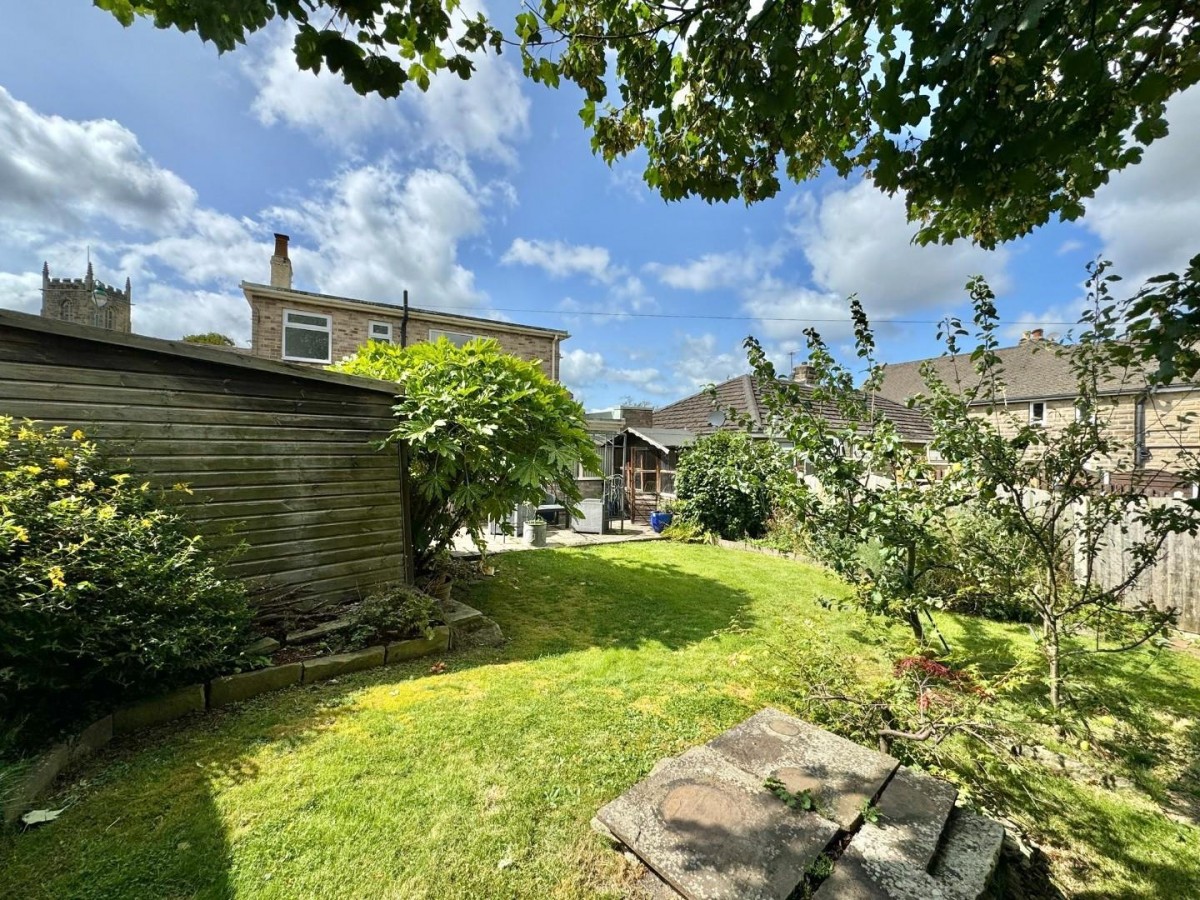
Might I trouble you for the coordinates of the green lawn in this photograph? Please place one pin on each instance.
(481, 782)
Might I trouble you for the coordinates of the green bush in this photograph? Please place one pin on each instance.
(729, 483)
(106, 594)
(394, 614)
(485, 432)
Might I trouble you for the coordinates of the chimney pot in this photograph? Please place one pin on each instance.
(281, 245)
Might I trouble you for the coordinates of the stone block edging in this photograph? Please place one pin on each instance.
(219, 692)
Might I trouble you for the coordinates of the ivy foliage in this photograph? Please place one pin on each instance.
(991, 117)
(106, 594)
(729, 483)
(484, 431)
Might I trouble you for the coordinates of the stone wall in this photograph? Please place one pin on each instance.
(1168, 440)
(351, 330)
(86, 301)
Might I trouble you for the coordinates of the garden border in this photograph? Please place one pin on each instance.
(197, 698)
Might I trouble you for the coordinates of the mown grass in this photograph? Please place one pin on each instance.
(481, 782)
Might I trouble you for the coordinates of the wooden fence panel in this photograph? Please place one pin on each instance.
(1174, 581)
(277, 456)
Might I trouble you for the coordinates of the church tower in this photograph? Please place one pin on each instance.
(86, 301)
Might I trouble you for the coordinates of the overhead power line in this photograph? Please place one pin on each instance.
(644, 315)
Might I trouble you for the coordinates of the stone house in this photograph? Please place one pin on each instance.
(318, 329)
(1151, 423)
(86, 301)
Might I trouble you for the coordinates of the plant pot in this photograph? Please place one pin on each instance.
(441, 591)
(660, 520)
(535, 534)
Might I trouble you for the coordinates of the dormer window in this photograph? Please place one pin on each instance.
(1037, 414)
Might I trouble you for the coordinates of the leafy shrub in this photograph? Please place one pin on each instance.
(485, 431)
(393, 614)
(106, 594)
(999, 568)
(684, 530)
(729, 483)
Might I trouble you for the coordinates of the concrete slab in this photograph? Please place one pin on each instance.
(877, 864)
(711, 831)
(437, 642)
(913, 811)
(458, 615)
(841, 775)
(162, 709)
(235, 688)
(93, 738)
(969, 855)
(341, 663)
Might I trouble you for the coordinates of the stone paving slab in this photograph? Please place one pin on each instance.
(913, 812)
(877, 866)
(841, 775)
(711, 831)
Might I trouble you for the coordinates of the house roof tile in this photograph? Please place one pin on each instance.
(745, 395)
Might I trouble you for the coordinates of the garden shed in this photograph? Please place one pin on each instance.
(648, 457)
(280, 458)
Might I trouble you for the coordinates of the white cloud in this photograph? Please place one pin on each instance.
(369, 231)
(719, 270)
(322, 103)
(784, 310)
(22, 292)
(163, 310)
(859, 241)
(588, 368)
(1146, 215)
(482, 116)
(701, 361)
(62, 173)
(378, 231)
(559, 259)
(1050, 320)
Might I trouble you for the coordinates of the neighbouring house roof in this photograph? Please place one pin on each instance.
(665, 439)
(291, 295)
(1033, 370)
(745, 395)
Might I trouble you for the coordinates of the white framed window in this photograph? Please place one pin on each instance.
(1037, 414)
(380, 331)
(307, 337)
(457, 338)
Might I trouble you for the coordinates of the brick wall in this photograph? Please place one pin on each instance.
(350, 330)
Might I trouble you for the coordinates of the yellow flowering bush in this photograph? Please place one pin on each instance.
(106, 593)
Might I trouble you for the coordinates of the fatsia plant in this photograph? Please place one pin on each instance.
(484, 431)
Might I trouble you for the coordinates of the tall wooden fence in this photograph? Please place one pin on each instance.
(275, 455)
(1174, 581)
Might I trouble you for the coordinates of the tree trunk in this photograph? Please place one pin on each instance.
(1053, 660)
(910, 577)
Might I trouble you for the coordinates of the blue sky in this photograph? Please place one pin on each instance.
(175, 166)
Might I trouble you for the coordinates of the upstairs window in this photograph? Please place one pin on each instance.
(1037, 414)
(307, 337)
(457, 338)
(380, 331)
